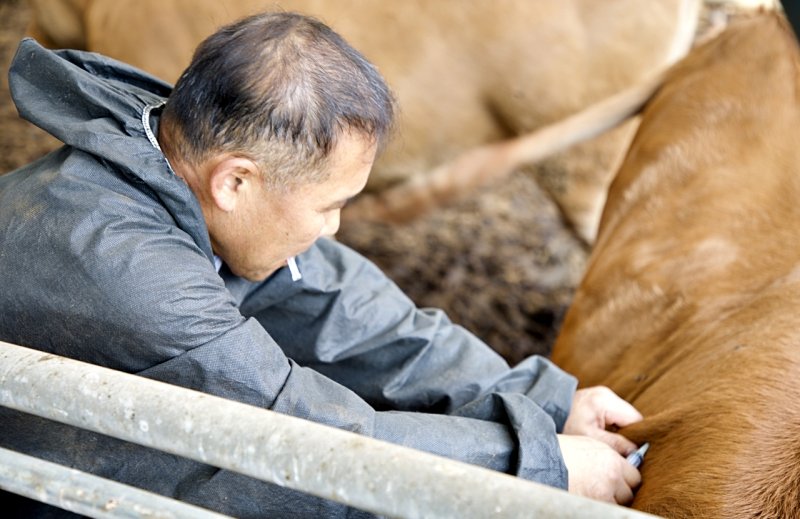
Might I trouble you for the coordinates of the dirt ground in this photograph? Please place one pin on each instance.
(20, 142)
(503, 264)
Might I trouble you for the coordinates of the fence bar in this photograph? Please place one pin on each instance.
(87, 494)
(330, 463)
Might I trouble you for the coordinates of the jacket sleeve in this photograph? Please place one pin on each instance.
(346, 320)
(112, 282)
(157, 308)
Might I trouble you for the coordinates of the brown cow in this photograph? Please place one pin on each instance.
(690, 305)
(464, 74)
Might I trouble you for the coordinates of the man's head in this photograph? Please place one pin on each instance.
(274, 111)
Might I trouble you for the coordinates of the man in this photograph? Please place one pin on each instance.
(185, 242)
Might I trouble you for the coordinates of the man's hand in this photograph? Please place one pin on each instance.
(593, 455)
(596, 408)
(597, 471)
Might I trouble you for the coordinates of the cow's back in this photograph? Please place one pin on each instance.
(689, 307)
(464, 75)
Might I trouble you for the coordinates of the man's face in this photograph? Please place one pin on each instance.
(271, 226)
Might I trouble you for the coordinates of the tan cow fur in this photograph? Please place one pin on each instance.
(59, 23)
(465, 73)
(690, 304)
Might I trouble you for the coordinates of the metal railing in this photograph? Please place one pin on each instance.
(355, 470)
(87, 494)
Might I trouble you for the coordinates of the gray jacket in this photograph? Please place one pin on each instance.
(105, 258)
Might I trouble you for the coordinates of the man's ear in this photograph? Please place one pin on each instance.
(230, 179)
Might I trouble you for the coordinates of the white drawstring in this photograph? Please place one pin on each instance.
(296, 275)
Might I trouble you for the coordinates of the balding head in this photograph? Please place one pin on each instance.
(280, 89)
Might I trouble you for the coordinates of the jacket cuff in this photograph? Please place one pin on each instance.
(526, 446)
(538, 453)
(553, 389)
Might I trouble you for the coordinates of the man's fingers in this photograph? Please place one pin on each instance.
(621, 413)
(616, 441)
(632, 477)
(623, 494)
(596, 471)
(599, 407)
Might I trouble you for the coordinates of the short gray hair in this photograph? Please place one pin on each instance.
(280, 89)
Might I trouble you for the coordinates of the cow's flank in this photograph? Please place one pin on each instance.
(690, 306)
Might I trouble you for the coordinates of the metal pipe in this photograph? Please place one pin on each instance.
(330, 463)
(87, 494)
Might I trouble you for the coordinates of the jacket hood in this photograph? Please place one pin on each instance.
(99, 105)
(84, 99)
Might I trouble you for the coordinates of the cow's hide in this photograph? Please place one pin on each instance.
(690, 305)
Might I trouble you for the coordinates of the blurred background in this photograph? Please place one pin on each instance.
(503, 260)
